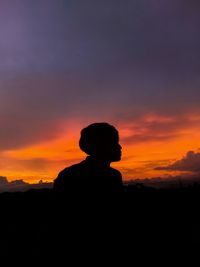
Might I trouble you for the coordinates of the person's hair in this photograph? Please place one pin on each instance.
(95, 134)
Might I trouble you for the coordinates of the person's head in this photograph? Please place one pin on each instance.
(101, 140)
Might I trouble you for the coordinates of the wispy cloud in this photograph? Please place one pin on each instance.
(152, 127)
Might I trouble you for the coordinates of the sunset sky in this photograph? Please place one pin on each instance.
(132, 63)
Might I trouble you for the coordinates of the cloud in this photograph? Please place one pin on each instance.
(3, 181)
(191, 163)
(154, 127)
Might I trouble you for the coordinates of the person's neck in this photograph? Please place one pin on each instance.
(102, 163)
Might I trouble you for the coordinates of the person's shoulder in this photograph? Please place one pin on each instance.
(67, 175)
(116, 177)
(73, 169)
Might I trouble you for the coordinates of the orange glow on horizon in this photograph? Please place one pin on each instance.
(139, 157)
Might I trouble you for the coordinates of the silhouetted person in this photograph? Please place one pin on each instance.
(100, 141)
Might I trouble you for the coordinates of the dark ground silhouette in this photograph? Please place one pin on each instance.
(141, 220)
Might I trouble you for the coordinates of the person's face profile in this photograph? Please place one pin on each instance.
(114, 150)
(109, 148)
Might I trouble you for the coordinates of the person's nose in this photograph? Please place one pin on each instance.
(120, 147)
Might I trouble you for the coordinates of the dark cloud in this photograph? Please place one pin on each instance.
(145, 168)
(151, 164)
(191, 163)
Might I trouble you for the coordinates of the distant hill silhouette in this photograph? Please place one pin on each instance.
(159, 182)
(169, 182)
(20, 185)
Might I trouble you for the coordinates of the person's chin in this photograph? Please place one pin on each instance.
(118, 158)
